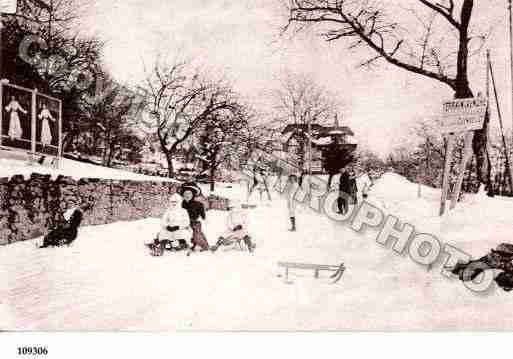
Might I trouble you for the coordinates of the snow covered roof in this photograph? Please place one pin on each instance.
(323, 141)
(351, 140)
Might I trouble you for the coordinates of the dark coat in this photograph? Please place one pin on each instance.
(344, 184)
(496, 259)
(195, 209)
(66, 233)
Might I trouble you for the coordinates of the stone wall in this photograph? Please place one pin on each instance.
(29, 208)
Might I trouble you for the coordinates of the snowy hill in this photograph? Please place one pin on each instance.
(107, 280)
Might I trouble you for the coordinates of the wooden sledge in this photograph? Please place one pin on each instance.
(337, 269)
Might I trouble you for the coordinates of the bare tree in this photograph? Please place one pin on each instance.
(435, 42)
(220, 138)
(179, 101)
(300, 101)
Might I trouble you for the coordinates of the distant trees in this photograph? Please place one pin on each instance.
(427, 38)
(219, 139)
(335, 158)
(109, 122)
(41, 49)
(180, 102)
(300, 101)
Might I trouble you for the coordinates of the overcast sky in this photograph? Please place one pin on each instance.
(241, 39)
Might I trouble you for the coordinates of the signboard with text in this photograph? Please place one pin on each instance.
(8, 6)
(463, 115)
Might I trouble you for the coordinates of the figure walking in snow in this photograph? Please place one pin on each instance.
(46, 133)
(175, 226)
(196, 212)
(236, 228)
(259, 183)
(15, 131)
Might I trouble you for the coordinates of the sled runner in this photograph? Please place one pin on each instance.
(158, 247)
(337, 269)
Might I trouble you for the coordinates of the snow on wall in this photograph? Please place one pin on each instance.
(74, 169)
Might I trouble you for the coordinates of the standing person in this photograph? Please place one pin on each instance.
(290, 191)
(196, 212)
(344, 190)
(353, 188)
(175, 226)
(255, 182)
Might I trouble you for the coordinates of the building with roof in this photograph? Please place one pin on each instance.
(295, 141)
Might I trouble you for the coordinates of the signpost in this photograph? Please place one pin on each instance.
(8, 6)
(464, 115)
(460, 116)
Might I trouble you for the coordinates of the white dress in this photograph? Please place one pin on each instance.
(15, 130)
(176, 216)
(237, 216)
(46, 134)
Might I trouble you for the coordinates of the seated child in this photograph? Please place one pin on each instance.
(66, 233)
(236, 228)
(174, 226)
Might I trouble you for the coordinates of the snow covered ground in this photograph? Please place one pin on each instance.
(74, 169)
(108, 281)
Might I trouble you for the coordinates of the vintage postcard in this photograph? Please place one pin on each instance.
(255, 166)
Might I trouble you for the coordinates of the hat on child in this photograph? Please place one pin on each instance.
(190, 186)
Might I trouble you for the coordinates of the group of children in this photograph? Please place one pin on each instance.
(184, 219)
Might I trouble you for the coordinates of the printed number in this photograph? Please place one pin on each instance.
(32, 351)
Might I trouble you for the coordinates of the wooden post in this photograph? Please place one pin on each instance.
(447, 168)
(467, 153)
(34, 127)
(1, 97)
(59, 150)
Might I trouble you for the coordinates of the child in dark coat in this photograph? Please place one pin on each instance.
(196, 212)
(66, 233)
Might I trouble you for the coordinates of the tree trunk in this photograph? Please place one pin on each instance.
(212, 180)
(170, 168)
(480, 148)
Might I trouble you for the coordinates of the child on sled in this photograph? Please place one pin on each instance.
(66, 233)
(236, 229)
(175, 227)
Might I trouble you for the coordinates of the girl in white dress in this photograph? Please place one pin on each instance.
(46, 134)
(13, 107)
